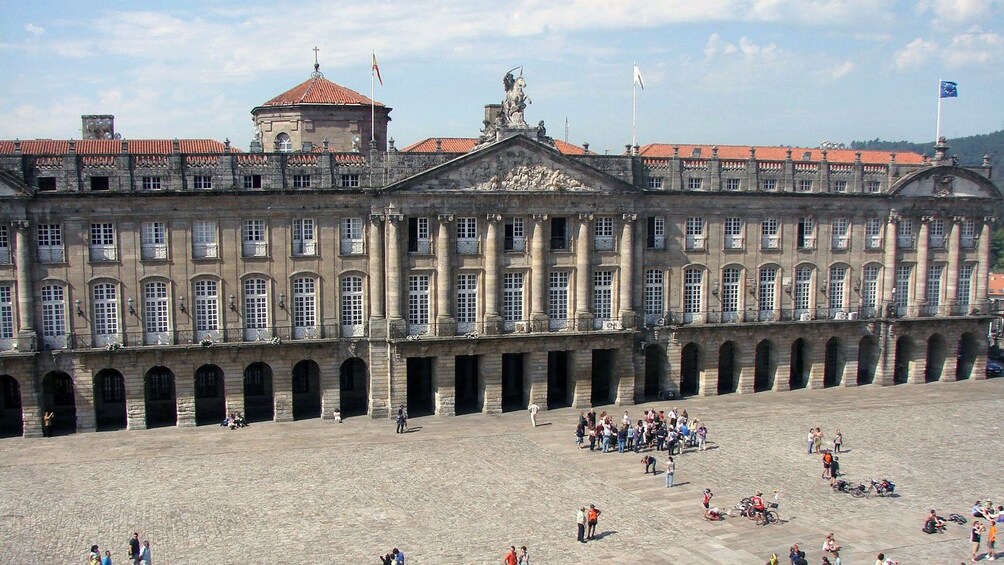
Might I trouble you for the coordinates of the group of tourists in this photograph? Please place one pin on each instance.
(513, 558)
(994, 517)
(234, 420)
(672, 431)
(139, 554)
(395, 557)
(586, 521)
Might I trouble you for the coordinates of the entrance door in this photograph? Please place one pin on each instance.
(557, 379)
(765, 366)
(352, 382)
(512, 382)
(690, 370)
(602, 391)
(109, 400)
(833, 371)
(655, 368)
(468, 391)
(161, 401)
(11, 416)
(799, 376)
(904, 356)
(57, 390)
(420, 398)
(968, 350)
(306, 390)
(728, 379)
(868, 356)
(259, 403)
(210, 400)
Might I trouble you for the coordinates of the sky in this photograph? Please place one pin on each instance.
(744, 72)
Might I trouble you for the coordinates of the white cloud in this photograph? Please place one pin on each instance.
(958, 11)
(916, 53)
(974, 47)
(841, 70)
(34, 29)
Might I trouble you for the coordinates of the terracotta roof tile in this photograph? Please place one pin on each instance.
(769, 153)
(996, 285)
(319, 90)
(465, 144)
(113, 146)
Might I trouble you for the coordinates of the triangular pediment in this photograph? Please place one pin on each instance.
(516, 164)
(945, 181)
(12, 187)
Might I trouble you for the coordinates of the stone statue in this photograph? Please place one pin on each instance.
(515, 100)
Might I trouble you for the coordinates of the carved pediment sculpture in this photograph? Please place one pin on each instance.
(944, 185)
(531, 178)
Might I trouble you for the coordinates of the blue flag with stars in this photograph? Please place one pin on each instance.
(949, 89)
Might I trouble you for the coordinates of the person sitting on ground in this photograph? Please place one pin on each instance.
(978, 510)
(232, 422)
(225, 422)
(338, 416)
(830, 544)
(933, 523)
(241, 420)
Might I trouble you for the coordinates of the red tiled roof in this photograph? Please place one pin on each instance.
(113, 146)
(996, 288)
(319, 90)
(465, 144)
(742, 152)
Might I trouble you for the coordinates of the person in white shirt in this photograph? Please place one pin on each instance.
(533, 408)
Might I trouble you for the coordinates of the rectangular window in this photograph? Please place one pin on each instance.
(770, 234)
(100, 184)
(50, 243)
(154, 241)
(934, 287)
(467, 302)
(654, 182)
(419, 236)
(936, 233)
(840, 186)
(838, 276)
(902, 290)
(6, 311)
(656, 233)
(694, 183)
(207, 310)
(805, 185)
(467, 236)
(840, 234)
(515, 236)
(655, 296)
(252, 181)
(54, 316)
(350, 180)
(559, 234)
(766, 293)
(869, 290)
(603, 234)
(418, 304)
(151, 183)
(603, 288)
(106, 313)
(112, 390)
(965, 288)
(512, 297)
(352, 242)
(46, 184)
(733, 233)
(730, 295)
(803, 295)
(254, 239)
(204, 242)
(873, 186)
(733, 184)
(304, 237)
(5, 255)
(155, 310)
(103, 242)
(557, 306)
(304, 307)
(968, 240)
(904, 233)
(301, 181)
(770, 185)
(352, 306)
(256, 309)
(806, 233)
(873, 233)
(202, 182)
(695, 233)
(693, 281)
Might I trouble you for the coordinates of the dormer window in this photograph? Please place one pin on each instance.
(282, 143)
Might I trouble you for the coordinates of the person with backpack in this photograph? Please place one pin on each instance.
(592, 518)
(827, 460)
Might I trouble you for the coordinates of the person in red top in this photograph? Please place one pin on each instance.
(510, 557)
(592, 517)
(759, 510)
(708, 495)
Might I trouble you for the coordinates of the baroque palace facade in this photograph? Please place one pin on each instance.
(169, 282)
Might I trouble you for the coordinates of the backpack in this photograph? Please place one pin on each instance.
(929, 527)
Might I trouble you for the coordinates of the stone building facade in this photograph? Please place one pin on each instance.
(170, 282)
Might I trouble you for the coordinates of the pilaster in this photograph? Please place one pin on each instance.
(948, 306)
(135, 398)
(782, 374)
(331, 390)
(83, 392)
(233, 386)
(493, 321)
(490, 367)
(626, 375)
(583, 252)
(850, 376)
(920, 280)
(817, 359)
(282, 390)
(26, 336)
(444, 385)
(582, 378)
(709, 375)
(445, 322)
(396, 326)
(184, 398)
(536, 374)
(670, 381)
(627, 314)
(538, 286)
(747, 368)
(889, 263)
(377, 325)
(31, 412)
(982, 277)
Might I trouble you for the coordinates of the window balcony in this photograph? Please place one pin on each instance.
(153, 251)
(5, 256)
(103, 253)
(515, 244)
(304, 248)
(158, 338)
(255, 249)
(873, 242)
(558, 324)
(770, 242)
(733, 242)
(306, 332)
(968, 241)
(421, 247)
(205, 251)
(468, 247)
(603, 243)
(906, 241)
(351, 247)
(695, 242)
(353, 330)
(840, 242)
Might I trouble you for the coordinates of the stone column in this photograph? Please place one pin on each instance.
(331, 389)
(581, 378)
(708, 378)
(445, 385)
(817, 359)
(850, 375)
(83, 392)
(782, 374)
(396, 326)
(282, 390)
(535, 372)
(920, 286)
(445, 323)
(583, 252)
(135, 398)
(493, 321)
(393, 373)
(951, 365)
(980, 277)
(918, 364)
(627, 377)
(538, 315)
(889, 264)
(980, 363)
(378, 327)
(670, 381)
(747, 367)
(885, 366)
(184, 392)
(490, 367)
(627, 314)
(31, 412)
(233, 385)
(948, 306)
(26, 335)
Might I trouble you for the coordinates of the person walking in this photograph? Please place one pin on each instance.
(144, 553)
(524, 556)
(134, 548)
(402, 419)
(533, 409)
(510, 556)
(670, 470)
(107, 559)
(580, 522)
(811, 438)
(592, 518)
(974, 537)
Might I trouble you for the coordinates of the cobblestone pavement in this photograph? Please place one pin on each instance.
(460, 490)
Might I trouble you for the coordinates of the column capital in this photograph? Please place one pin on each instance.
(630, 217)
(539, 217)
(894, 217)
(958, 219)
(377, 218)
(20, 224)
(926, 219)
(493, 217)
(394, 217)
(585, 216)
(989, 220)
(445, 218)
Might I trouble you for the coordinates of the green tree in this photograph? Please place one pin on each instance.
(997, 251)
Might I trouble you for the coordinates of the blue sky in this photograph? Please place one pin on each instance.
(764, 72)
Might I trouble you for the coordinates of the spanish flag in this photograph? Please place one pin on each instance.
(376, 69)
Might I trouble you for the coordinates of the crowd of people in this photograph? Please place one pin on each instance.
(673, 431)
(138, 554)
(234, 420)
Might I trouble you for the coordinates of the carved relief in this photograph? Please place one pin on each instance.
(944, 185)
(531, 177)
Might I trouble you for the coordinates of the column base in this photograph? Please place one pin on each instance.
(446, 326)
(628, 319)
(378, 328)
(492, 324)
(27, 340)
(396, 328)
(583, 321)
(539, 322)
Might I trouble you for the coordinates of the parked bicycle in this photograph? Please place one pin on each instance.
(883, 487)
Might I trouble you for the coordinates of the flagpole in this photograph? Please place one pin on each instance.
(634, 108)
(937, 135)
(372, 94)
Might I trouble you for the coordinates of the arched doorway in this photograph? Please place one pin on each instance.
(58, 398)
(210, 396)
(836, 358)
(259, 405)
(513, 394)
(306, 390)
(690, 369)
(936, 354)
(11, 415)
(800, 366)
(558, 376)
(352, 379)
(728, 368)
(161, 399)
(467, 385)
(969, 348)
(868, 357)
(904, 356)
(603, 386)
(765, 366)
(109, 400)
(655, 368)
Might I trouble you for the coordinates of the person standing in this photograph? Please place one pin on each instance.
(144, 553)
(510, 556)
(811, 438)
(992, 541)
(708, 495)
(838, 440)
(702, 437)
(107, 559)
(134, 548)
(533, 409)
(622, 438)
(592, 518)
(827, 461)
(975, 536)
(817, 440)
(670, 470)
(47, 422)
(402, 423)
(524, 556)
(398, 554)
(580, 521)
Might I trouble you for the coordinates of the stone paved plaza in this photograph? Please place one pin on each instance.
(460, 490)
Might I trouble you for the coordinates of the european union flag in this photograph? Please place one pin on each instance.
(949, 89)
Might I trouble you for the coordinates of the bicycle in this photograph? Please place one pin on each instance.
(740, 509)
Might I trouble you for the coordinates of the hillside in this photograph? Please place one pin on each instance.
(970, 149)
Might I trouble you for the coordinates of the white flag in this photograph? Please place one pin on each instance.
(637, 78)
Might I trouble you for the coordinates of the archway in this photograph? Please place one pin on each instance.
(259, 405)
(728, 367)
(936, 354)
(306, 390)
(765, 366)
(420, 393)
(690, 369)
(59, 398)
(513, 397)
(161, 399)
(558, 375)
(800, 366)
(210, 396)
(904, 356)
(969, 348)
(604, 389)
(109, 400)
(836, 359)
(352, 384)
(868, 358)
(655, 369)
(467, 382)
(11, 415)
